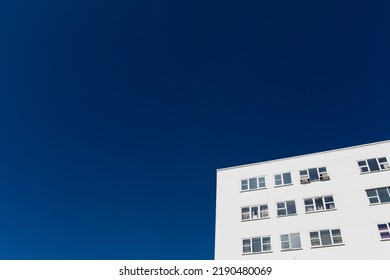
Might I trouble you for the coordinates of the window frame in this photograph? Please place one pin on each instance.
(381, 165)
(282, 179)
(285, 208)
(257, 184)
(377, 196)
(324, 204)
(318, 173)
(331, 238)
(289, 242)
(259, 211)
(262, 243)
(381, 231)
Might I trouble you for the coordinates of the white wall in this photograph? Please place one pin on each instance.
(354, 216)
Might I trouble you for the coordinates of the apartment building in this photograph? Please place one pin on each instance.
(328, 205)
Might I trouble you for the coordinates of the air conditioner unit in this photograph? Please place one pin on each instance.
(385, 165)
(305, 180)
(324, 177)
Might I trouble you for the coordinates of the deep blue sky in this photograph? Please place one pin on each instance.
(114, 115)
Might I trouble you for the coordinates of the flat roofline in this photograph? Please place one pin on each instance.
(305, 155)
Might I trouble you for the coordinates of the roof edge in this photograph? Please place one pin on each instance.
(304, 155)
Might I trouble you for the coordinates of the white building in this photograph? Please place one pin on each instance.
(327, 205)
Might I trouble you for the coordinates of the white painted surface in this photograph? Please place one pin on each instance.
(354, 216)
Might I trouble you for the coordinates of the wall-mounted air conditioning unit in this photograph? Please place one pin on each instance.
(324, 177)
(305, 180)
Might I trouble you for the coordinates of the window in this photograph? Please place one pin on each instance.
(380, 195)
(290, 241)
(286, 208)
(319, 204)
(384, 231)
(256, 245)
(254, 212)
(313, 174)
(373, 164)
(253, 183)
(326, 237)
(283, 179)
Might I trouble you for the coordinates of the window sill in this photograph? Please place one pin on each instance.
(380, 203)
(287, 215)
(281, 186)
(320, 211)
(314, 181)
(257, 253)
(385, 239)
(250, 220)
(258, 189)
(327, 246)
(375, 171)
(288, 250)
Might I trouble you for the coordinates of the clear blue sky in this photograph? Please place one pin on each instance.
(114, 115)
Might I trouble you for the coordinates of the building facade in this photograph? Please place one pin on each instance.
(327, 205)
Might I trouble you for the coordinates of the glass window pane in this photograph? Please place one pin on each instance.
(315, 242)
(303, 173)
(246, 242)
(322, 169)
(263, 211)
(382, 226)
(282, 212)
(313, 174)
(291, 207)
(337, 240)
(261, 182)
(266, 243)
(278, 180)
(284, 237)
(373, 164)
(383, 195)
(309, 201)
(309, 208)
(382, 160)
(328, 198)
(266, 247)
(255, 212)
(256, 245)
(362, 163)
(385, 234)
(371, 193)
(287, 178)
(295, 240)
(244, 185)
(246, 249)
(319, 203)
(252, 183)
(263, 208)
(314, 234)
(374, 200)
(245, 213)
(285, 245)
(330, 205)
(325, 237)
(336, 232)
(266, 239)
(364, 169)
